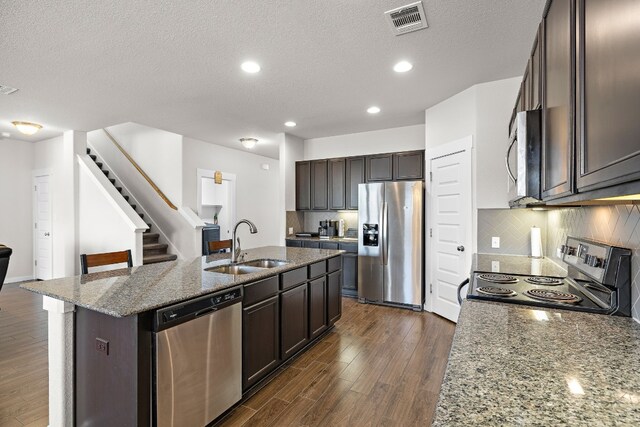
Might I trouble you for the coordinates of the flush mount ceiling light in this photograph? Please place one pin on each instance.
(290, 124)
(6, 135)
(373, 110)
(27, 128)
(250, 67)
(248, 142)
(402, 67)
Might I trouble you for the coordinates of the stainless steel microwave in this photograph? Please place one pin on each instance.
(524, 164)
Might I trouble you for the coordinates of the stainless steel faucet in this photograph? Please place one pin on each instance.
(235, 241)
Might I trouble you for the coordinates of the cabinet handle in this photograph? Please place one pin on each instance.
(506, 160)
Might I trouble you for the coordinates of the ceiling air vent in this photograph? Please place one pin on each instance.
(6, 90)
(407, 18)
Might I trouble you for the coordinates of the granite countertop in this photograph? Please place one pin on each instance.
(331, 239)
(128, 291)
(516, 366)
(516, 264)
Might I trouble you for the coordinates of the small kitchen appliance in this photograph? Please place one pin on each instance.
(598, 281)
(327, 229)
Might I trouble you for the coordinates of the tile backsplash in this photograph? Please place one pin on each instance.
(295, 220)
(513, 226)
(618, 225)
(312, 219)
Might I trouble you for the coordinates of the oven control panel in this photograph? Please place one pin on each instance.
(589, 257)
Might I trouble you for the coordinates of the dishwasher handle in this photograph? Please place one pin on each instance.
(177, 314)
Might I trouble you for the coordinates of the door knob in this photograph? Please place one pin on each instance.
(460, 248)
(47, 234)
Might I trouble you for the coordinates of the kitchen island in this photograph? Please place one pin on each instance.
(516, 366)
(101, 325)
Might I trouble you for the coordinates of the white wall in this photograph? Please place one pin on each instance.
(257, 190)
(291, 150)
(452, 119)
(379, 141)
(16, 192)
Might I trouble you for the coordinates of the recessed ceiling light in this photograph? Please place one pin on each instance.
(248, 142)
(250, 67)
(27, 128)
(290, 124)
(402, 67)
(6, 135)
(373, 110)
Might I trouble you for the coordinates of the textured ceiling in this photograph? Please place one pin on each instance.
(175, 65)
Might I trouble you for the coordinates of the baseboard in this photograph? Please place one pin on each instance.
(18, 279)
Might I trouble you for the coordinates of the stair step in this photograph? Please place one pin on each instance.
(113, 181)
(149, 249)
(152, 259)
(150, 238)
(88, 150)
(99, 164)
(148, 230)
(133, 206)
(141, 215)
(126, 198)
(106, 173)
(119, 189)
(93, 157)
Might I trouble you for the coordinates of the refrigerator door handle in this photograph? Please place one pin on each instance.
(385, 237)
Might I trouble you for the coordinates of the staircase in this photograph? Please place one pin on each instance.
(152, 250)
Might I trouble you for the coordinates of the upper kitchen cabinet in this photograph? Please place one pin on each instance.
(380, 167)
(337, 197)
(608, 131)
(319, 185)
(535, 74)
(558, 67)
(408, 165)
(355, 171)
(303, 186)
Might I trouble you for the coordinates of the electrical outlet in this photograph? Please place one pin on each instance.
(290, 230)
(102, 346)
(495, 266)
(495, 242)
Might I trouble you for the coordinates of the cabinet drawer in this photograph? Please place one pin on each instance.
(293, 278)
(334, 264)
(258, 291)
(294, 243)
(328, 245)
(351, 248)
(317, 269)
(310, 244)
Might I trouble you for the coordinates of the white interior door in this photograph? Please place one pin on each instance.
(42, 228)
(450, 222)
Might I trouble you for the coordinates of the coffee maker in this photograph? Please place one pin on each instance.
(327, 229)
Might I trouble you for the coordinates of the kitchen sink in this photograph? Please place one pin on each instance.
(265, 263)
(236, 269)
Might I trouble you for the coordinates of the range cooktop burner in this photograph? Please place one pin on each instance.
(553, 296)
(546, 281)
(497, 292)
(498, 278)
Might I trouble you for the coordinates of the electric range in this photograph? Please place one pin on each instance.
(598, 281)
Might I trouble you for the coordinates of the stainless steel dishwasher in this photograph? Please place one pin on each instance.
(198, 359)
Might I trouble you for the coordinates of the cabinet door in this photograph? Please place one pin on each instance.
(334, 296)
(303, 186)
(534, 74)
(337, 184)
(317, 306)
(557, 99)
(260, 340)
(355, 176)
(408, 165)
(328, 245)
(608, 94)
(526, 87)
(294, 243)
(319, 189)
(350, 274)
(294, 320)
(315, 244)
(380, 167)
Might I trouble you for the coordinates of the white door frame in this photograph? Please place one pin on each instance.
(34, 218)
(463, 144)
(226, 176)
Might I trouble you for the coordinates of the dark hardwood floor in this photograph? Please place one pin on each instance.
(23, 359)
(378, 366)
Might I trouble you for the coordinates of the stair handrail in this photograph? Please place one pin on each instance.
(139, 169)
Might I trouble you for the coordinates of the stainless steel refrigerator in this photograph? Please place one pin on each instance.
(391, 243)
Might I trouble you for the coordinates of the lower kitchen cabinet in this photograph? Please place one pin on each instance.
(350, 269)
(295, 320)
(334, 296)
(329, 245)
(294, 243)
(317, 307)
(260, 340)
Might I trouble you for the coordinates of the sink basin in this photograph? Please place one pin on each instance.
(236, 269)
(265, 263)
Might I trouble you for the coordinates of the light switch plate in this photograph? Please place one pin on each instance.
(290, 230)
(495, 242)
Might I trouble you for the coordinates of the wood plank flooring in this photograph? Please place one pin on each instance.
(379, 366)
(24, 390)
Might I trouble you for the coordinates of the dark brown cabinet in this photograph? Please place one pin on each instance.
(260, 340)
(319, 185)
(317, 307)
(350, 269)
(355, 175)
(294, 243)
(334, 296)
(329, 245)
(608, 134)
(294, 320)
(337, 197)
(380, 167)
(534, 75)
(558, 99)
(408, 166)
(526, 88)
(303, 185)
